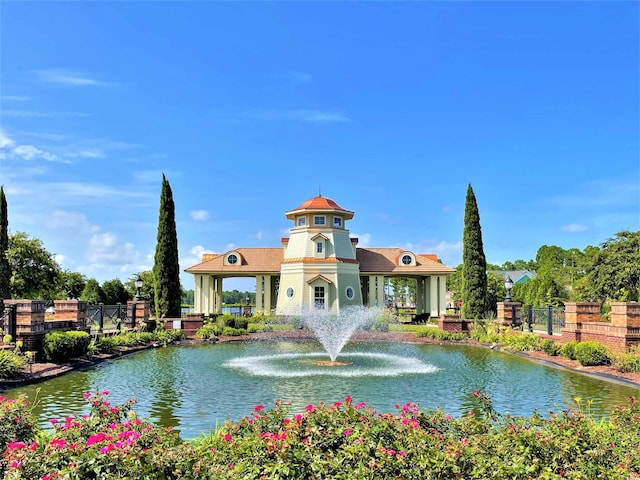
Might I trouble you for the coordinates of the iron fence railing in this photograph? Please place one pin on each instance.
(106, 317)
(542, 318)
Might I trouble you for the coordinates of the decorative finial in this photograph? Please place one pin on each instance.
(319, 192)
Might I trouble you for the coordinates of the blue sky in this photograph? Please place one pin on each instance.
(391, 109)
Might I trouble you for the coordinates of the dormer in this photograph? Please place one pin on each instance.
(232, 258)
(406, 259)
(320, 242)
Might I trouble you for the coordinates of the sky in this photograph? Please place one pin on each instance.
(249, 108)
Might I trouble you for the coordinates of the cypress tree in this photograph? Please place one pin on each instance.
(5, 268)
(474, 263)
(166, 269)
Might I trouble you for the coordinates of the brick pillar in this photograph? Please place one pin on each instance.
(72, 310)
(575, 314)
(625, 314)
(137, 313)
(30, 325)
(509, 313)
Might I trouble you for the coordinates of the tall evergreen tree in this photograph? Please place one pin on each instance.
(474, 263)
(166, 268)
(5, 268)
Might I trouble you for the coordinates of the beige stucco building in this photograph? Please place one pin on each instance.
(319, 265)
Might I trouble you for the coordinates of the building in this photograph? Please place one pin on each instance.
(320, 266)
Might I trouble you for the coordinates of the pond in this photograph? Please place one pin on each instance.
(193, 388)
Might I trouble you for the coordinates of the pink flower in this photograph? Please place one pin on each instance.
(309, 408)
(87, 395)
(347, 432)
(107, 448)
(105, 392)
(53, 421)
(348, 400)
(391, 451)
(402, 453)
(297, 417)
(258, 408)
(115, 410)
(337, 404)
(227, 437)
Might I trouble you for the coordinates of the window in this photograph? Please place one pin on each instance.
(349, 293)
(232, 259)
(302, 221)
(318, 297)
(290, 292)
(319, 220)
(337, 222)
(319, 246)
(406, 259)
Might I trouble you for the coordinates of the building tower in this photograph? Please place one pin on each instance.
(319, 269)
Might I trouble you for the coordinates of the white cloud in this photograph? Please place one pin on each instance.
(364, 240)
(5, 141)
(574, 228)
(70, 221)
(200, 215)
(15, 98)
(107, 248)
(449, 253)
(71, 78)
(29, 152)
(194, 257)
(309, 116)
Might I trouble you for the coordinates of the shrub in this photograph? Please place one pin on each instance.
(61, 346)
(592, 353)
(550, 347)
(233, 332)
(17, 424)
(630, 361)
(11, 363)
(227, 320)
(442, 335)
(210, 330)
(380, 327)
(569, 349)
(241, 323)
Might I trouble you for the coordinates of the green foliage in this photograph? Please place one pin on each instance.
(61, 346)
(592, 354)
(114, 292)
(241, 323)
(569, 349)
(17, 423)
(442, 335)
(233, 332)
(236, 297)
(70, 284)
(147, 292)
(209, 330)
(474, 269)
(630, 361)
(380, 326)
(11, 363)
(5, 267)
(550, 347)
(615, 275)
(34, 269)
(496, 291)
(92, 292)
(166, 268)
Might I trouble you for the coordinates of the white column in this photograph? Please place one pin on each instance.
(433, 296)
(267, 295)
(206, 293)
(197, 295)
(259, 304)
(218, 305)
(419, 295)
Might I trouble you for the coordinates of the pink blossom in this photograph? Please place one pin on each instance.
(391, 451)
(348, 400)
(107, 448)
(309, 408)
(227, 437)
(105, 392)
(402, 453)
(53, 421)
(297, 417)
(337, 404)
(258, 408)
(87, 395)
(347, 432)
(16, 445)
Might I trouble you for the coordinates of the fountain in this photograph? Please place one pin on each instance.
(333, 330)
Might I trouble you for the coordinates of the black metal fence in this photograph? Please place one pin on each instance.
(8, 321)
(547, 319)
(101, 318)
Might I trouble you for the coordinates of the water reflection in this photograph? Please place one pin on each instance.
(190, 387)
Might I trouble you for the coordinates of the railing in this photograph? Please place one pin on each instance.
(8, 321)
(102, 318)
(542, 318)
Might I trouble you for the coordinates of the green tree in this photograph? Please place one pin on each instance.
(615, 273)
(34, 270)
(496, 291)
(114, 292)
(166, 268)
(147, 291)
(5, 268)
(70, 284)
(474, 263)
(92, 292)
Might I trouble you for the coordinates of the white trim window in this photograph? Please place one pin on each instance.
(319, 247)
(302, 221)
(350, 293)
(337, 222)
(319, 220)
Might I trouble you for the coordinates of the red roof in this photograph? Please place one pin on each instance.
(320, 203)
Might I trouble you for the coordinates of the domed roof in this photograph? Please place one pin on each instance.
(319, 203)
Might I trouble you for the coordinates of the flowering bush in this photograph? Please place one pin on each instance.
(343, 440)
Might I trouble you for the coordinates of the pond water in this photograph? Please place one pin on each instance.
(193, 388)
